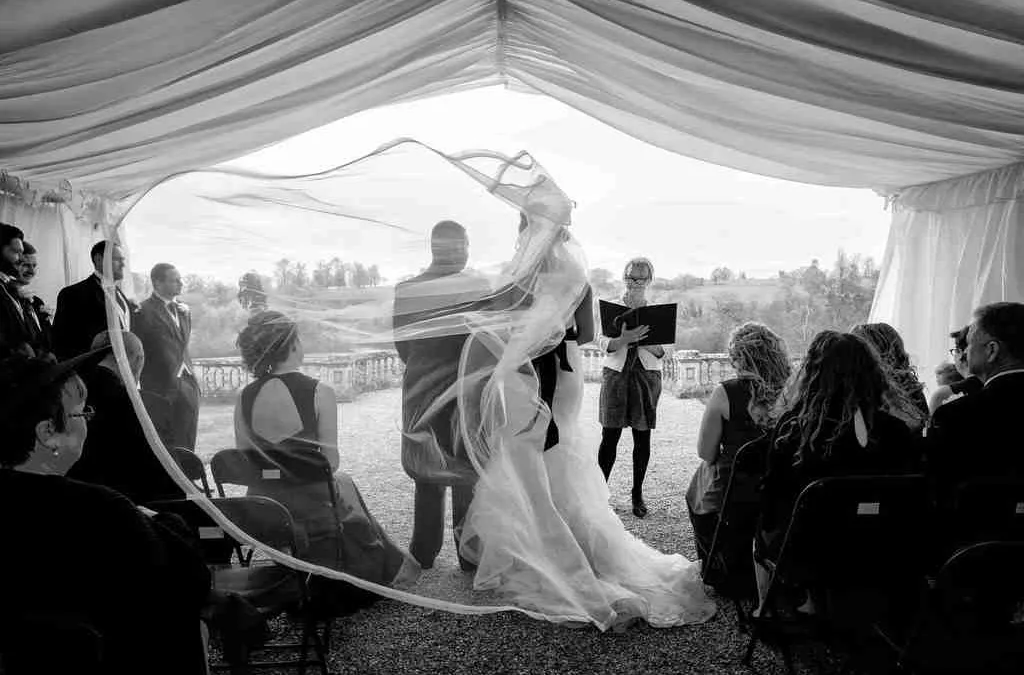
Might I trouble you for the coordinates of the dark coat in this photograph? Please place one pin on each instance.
(978, 435)
(166, 345)
(116, 452)
(81, 315)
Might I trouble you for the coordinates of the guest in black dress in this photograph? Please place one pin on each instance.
(81, 554)
(285, 409)
(738, 411)
(834, 424)
(630, 386)
(905, 397)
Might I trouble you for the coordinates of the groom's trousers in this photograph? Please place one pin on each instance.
(428, 520)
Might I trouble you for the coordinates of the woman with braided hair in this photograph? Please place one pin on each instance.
(738, 411)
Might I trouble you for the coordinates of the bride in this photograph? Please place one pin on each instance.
(540, 527)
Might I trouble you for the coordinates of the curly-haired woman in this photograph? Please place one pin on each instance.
(905, 398)
(285, 409)
(834, 424)
(738, 411)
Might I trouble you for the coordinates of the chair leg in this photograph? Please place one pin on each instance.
(749, 654)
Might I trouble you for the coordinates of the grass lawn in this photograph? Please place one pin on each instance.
(393, 637)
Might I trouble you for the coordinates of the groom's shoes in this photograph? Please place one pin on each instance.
(639, 508)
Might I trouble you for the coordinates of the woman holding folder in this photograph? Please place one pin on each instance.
(630, 383)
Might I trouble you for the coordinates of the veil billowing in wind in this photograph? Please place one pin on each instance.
(309, 237)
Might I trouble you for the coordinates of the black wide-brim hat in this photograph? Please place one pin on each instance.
(24, 379)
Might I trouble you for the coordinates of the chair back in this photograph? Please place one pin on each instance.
(858, 532)
(255, 468)
(989, 509)
(217, 548)
(974, 618)
(263, 519)
(192, 467)
(729, 565)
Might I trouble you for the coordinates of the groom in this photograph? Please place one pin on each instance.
(433, 453)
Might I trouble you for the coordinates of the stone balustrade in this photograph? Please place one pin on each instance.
(352, 374)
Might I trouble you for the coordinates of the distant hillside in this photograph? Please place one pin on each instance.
(761, 291)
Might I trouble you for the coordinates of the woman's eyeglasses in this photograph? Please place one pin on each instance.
(88, 412)
(637, 280)
(956, 352)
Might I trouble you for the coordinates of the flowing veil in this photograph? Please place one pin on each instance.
(309, 238)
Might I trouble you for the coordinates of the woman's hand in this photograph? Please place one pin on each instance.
(631, 335)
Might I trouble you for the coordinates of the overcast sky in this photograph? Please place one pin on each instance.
(632, 198)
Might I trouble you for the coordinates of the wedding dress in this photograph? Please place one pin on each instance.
(540, 526)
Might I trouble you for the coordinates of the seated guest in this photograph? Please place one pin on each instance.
(738, 411)
(117, 453)
(84, 553)
(283, 409)
(979, 435)
(905, 398)
(834, 424)
(955, 380)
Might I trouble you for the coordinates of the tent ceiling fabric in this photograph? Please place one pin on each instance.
(114, 94)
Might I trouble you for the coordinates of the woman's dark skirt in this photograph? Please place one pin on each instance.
(629, 398)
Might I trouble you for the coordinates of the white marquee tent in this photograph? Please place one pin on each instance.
(921, 100)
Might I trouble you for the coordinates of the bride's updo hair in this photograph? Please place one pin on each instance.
(266, 341)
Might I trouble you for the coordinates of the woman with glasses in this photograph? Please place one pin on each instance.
(953, 388)
(630, 385)
(125, 584)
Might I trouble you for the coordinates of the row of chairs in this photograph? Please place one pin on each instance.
(267, 521)
(877, 539)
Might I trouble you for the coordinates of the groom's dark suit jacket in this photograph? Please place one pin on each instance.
(431, 367)
(80, 315)
(981, 435)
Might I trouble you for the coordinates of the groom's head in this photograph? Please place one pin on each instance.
(449, 245)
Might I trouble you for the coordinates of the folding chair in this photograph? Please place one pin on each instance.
(192, 467)
(279, 472)
(27, 645)
(729, 565)
(857, 538)
(988, 509)
(269, 522)
(973, 618)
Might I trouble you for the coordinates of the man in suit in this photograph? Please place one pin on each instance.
(116, 452)
(432, 450)
(15, 333)
(82, 307)
(36, 313)
(169, 386)
(980, 435)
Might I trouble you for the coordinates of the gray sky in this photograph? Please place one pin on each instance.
(632, 198)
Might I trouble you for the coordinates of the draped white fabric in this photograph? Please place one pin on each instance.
(115, 94)
(953, 246)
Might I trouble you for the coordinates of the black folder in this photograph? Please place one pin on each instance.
(660, 319)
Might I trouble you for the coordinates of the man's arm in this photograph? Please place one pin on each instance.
(63, 324)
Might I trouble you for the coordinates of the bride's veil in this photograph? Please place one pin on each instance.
(324, 252)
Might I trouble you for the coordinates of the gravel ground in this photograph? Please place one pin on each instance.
(393, 637)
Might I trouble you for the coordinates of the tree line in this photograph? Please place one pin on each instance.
(796, 303)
